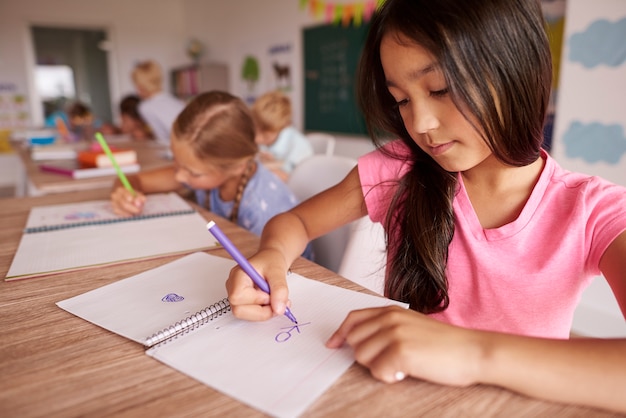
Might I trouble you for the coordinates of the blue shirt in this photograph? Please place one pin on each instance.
(290, 147)
(264, 197)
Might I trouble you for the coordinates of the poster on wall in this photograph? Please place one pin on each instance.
(13, 107)
(590, 124)
(265, 68)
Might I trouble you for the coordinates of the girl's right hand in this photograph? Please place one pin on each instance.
(124, 203)
(251, 303)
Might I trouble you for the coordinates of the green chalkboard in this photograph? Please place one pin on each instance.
(331, 55)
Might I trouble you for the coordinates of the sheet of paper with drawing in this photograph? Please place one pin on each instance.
(274, 366)
(88, 234)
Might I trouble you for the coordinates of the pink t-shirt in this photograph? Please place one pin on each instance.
(525, 277)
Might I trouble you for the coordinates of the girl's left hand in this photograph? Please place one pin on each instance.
(394, 342)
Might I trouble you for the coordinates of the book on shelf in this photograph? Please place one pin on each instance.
(98, 158)
(77, 236)
(180, 313)
(74, 169)
(188, 81)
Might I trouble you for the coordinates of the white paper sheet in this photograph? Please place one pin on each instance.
(274, 366)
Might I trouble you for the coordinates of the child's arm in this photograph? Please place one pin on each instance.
(581, 370)
(155, 181)
(392, 340)
(284, 239)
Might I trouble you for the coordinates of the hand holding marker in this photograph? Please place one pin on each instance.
(243, 263)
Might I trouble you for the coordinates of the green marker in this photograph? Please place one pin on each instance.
(119, 171)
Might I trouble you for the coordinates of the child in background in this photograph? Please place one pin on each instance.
(158, 108)
(283, 146)
(132, 122)
(489, 240)
(214, 152)
(77, 123)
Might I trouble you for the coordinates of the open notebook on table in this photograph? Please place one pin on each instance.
(83, 235)
(180, 312)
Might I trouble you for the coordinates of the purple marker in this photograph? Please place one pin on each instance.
(243, 263)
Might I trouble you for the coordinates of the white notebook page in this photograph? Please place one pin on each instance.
(196, 279)
(273, 366)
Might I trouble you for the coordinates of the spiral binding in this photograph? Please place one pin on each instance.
(190, 323)
(46, 228)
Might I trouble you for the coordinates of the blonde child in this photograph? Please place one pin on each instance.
(282, 146)
(157, 107)
(214, 153)
(489, 240)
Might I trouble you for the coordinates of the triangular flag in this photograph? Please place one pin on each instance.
(358, 14)
(338, 13)
(348, 11)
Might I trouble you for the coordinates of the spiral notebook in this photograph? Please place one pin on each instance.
(84, 235)
(180, 312)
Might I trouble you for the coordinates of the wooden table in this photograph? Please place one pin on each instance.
(54, 364)
(35, 182)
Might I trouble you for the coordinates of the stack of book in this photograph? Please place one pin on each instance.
(97, 158)
(94, 163)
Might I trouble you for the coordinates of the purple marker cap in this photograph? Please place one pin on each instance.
(243, 262)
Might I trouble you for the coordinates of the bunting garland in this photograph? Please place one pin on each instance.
(344, 13)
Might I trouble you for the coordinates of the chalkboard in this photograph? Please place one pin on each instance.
(331, 55)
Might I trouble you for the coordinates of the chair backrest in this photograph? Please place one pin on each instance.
(364, 260)
(311, 176)
(322, 143)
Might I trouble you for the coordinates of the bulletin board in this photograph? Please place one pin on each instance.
(590, 129)
(331, 56)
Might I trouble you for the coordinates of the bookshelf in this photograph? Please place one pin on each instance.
(191, 80)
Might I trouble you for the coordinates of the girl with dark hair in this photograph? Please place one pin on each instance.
(488, 239)
(132, 123)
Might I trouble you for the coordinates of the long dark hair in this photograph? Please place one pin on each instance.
(495, 57)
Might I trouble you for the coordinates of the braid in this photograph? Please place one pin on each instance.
(245, 177)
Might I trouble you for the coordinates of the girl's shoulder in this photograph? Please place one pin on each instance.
(582, 184)
(591, 199)
(391, 161)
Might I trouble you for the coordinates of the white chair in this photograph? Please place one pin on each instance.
(311, 176)
(364, 259)
(322, 143)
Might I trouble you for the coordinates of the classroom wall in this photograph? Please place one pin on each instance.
(270, 30)
(142, 29)
(138, 29)
(234, 29)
